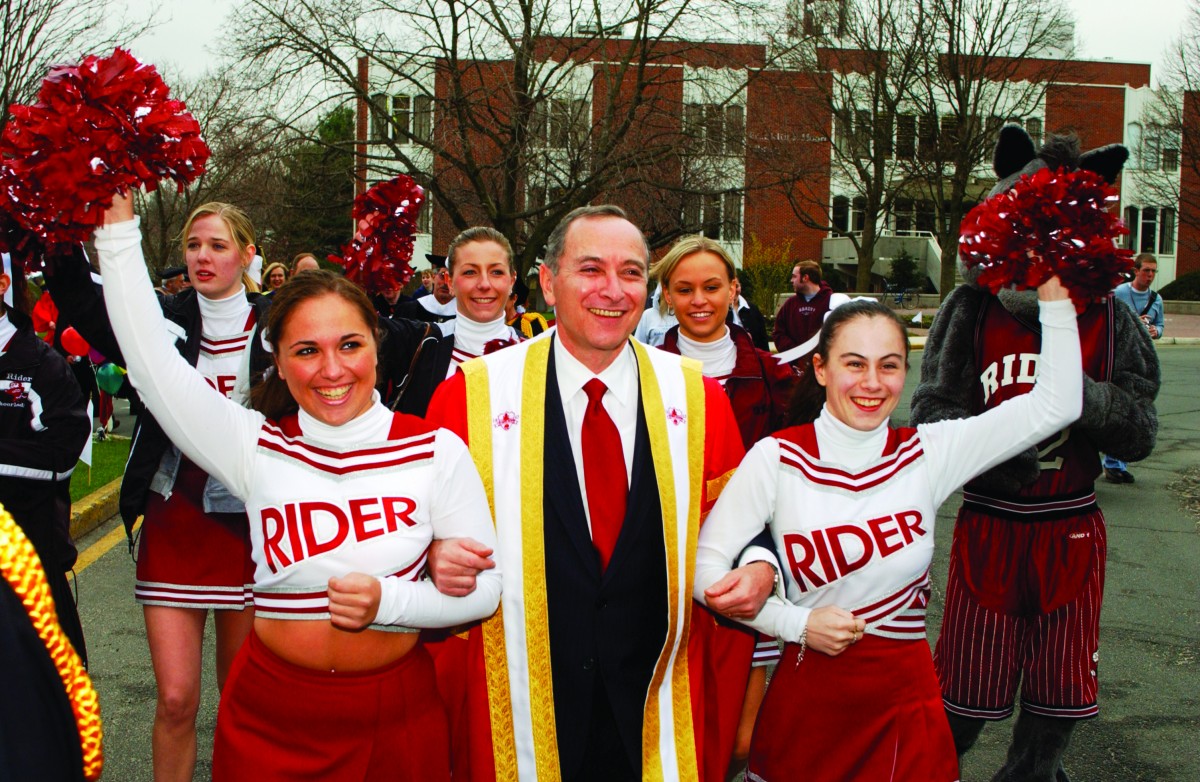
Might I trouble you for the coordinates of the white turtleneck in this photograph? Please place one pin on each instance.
(470, 337)
(718, 357)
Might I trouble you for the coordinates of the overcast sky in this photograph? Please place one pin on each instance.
(1123, 30)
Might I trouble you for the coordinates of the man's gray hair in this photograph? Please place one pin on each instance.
(558, 237)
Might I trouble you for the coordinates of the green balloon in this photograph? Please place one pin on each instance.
(110, 377)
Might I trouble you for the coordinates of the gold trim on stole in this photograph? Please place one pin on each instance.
(495, 653)
(656, 424)
(533, 553)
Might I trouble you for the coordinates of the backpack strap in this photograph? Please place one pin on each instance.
(1149, 302)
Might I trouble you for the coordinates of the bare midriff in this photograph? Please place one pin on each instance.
(322, 647)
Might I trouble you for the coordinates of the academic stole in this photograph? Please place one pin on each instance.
(520, 686)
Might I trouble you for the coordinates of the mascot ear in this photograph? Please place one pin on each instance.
(1014, 150)
(1105, 161)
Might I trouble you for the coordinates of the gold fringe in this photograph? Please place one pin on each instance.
(22, 570)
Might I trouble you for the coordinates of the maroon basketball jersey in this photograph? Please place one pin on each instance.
(1006, 354)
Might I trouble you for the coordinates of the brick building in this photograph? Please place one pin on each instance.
(757, 150)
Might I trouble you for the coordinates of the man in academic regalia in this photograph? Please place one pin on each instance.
(601, 458)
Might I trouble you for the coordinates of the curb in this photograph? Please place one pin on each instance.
(94, 509)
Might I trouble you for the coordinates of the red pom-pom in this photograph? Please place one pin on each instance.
(104, 125)
(1061, 218)
(378, 256)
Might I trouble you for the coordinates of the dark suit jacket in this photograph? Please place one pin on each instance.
(606, 630)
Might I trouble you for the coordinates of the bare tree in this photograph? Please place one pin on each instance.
(519, 112)
(40, 33)
(994, 61)
(244, 168)
(866, 61)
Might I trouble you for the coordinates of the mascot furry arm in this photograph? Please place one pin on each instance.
(1118, 415)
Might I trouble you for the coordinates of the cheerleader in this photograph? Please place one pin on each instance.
(851, 501)
(344, 498)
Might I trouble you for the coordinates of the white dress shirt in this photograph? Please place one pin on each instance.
(620, 401)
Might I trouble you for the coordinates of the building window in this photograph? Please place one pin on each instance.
(902, 216)
(715, 128)
(862, 133)
(561, 123)
(927, 137)
(883, 135)
(948, 137)
(401, 118)
(906, 136)
(731, 217)
(716, 215)
(841, 214)
(858, 214)
(1151, 230)
(1033, 126)
(380, 131)
(1166, 234)
(1170, 159)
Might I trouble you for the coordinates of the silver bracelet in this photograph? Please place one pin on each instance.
(803, 642)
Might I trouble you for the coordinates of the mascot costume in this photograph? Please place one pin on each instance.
(1027, 562)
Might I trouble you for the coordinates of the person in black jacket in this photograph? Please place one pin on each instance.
(193, 549)
(419, 356)
(43, 428)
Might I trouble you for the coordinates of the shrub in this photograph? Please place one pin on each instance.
(904, 273)
(766, 271)
(1185, 288)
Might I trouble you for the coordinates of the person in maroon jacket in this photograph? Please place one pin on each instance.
(697, 280)
(802, 315)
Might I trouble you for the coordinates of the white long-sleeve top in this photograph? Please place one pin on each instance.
(323, 501)
(852, 513)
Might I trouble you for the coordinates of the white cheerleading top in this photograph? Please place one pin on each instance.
(854, 524)
(323, 500)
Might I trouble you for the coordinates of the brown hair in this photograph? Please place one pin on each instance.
(240, 228)
(1141, 258)
(271, 397)
(810, 269)
(480, 233)
(270, 268)
(809, 396)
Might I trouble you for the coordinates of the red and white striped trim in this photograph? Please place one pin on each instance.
(766, 652)
(459, 356)
(825, 474)
(182, 596)
(1070, 712)
(1032, 506)
(314, 604)
(391, 454)
(218, 347)
(901, 614)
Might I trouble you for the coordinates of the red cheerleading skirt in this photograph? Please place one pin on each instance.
(872, 713)
(279, 722)
(187, 558)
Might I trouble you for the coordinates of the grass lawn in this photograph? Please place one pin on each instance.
(108, 463)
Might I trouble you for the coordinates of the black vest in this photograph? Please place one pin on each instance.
(606, 630)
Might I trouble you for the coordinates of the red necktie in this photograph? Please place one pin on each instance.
(603, 472)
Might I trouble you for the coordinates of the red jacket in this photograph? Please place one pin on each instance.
(759, 388)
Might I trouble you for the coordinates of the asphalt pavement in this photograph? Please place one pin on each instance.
(1149, 722)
